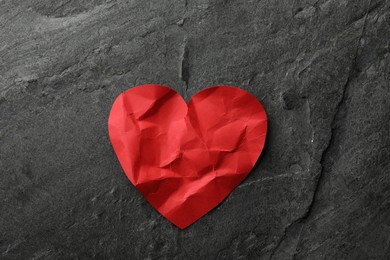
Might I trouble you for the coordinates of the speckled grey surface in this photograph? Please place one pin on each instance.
(321, 68)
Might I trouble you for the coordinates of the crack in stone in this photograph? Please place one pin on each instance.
(271, 178)
(184, 67)
(283, 237)
(301, 220)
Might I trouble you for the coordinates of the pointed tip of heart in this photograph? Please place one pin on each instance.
(183, 226)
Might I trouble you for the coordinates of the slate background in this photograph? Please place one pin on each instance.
(321, 189)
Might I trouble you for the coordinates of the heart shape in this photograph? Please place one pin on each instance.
(185, 160)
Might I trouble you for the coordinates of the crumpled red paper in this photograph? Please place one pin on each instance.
(184, 159)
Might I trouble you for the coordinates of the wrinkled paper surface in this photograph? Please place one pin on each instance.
(186, 159)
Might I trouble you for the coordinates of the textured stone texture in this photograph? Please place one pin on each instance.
(321, 189)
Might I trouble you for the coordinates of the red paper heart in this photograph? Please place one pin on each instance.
(186, 159)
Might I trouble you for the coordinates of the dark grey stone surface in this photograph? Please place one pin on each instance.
(321, 189)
